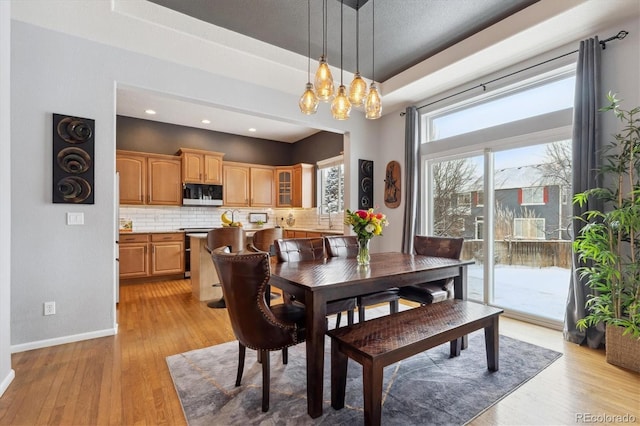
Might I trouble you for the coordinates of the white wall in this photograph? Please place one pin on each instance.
(6, 373)
(73, 265)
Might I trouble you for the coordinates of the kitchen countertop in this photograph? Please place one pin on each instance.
(322, 230)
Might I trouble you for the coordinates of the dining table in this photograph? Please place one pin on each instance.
(316, 282)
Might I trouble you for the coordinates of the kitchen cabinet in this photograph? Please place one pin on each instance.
(284, 195)
(201, 166)
(151, 179)
(134, 261)
(262, 186)
(295, 186)
(248, 185)
(303, 188)
(151, 255)
(297, 233)
(133, 178)
(167, 254)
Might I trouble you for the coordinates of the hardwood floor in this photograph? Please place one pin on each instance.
(124, 380)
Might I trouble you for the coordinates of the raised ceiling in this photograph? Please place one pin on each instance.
(407, 32)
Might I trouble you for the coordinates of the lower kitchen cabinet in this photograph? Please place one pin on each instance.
(150, 255)
(134, 261)
(167, 254)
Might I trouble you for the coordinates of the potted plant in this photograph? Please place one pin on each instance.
(608, 245)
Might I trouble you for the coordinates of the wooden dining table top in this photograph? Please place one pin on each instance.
(332, 274)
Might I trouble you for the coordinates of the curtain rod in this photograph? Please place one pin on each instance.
(622, 34)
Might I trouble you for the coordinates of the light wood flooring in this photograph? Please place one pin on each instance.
(124, 380)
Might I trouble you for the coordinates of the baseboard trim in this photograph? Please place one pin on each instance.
(62, 340)
(7, 381)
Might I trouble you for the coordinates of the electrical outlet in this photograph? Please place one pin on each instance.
(49, 308)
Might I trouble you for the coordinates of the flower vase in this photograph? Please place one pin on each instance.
(363, 251)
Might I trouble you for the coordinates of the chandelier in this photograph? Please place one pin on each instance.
(323, 90)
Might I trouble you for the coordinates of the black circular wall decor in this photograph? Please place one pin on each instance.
(365, 184)
(73, 159)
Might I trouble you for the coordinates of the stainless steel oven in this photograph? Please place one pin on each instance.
(187, 247)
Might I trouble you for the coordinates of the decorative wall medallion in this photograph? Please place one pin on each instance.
(73, 159)
(365, 184)
(392, 185)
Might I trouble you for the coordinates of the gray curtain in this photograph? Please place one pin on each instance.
(411, 178)
(586, 146)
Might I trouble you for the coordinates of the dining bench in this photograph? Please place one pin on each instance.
(383, 341)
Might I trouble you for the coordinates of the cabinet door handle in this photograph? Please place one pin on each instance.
(145, 249)
(200, 176)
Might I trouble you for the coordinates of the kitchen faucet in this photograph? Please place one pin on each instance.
(328, 206)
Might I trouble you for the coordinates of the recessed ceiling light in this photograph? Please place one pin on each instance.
(252, 129)
(205, 121)
(150, 112)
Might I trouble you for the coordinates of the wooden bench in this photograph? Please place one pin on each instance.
(383, 341)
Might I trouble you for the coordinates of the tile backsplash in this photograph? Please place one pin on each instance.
(170, 218)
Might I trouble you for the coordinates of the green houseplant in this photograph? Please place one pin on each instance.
(608, 245)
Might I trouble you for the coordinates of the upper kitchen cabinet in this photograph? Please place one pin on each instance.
(303, 187)
(201, 166)
(151, 179)
(248, 185)
(295, 186)
(284, 196)
(133, 177)
(262, 187)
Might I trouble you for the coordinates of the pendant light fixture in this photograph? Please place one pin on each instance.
(341, 107)
(373, 103)
(358, 88)
(324, 79)
(309, 101)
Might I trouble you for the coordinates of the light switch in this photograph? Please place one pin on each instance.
(75, 218)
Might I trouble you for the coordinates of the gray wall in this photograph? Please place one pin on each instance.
(135, 134)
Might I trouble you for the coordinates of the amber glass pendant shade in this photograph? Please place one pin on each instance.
(373, 104)
(324, 81)
(308, 101)
(357, 90)
(341, 107)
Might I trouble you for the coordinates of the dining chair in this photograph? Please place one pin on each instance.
(256, 324)
(297, 249)
(263, 239)
(232, 237)
(347, 246)
(434, 291)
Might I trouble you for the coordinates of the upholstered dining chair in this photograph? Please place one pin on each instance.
(297, 249)
(434, 291)
(263, 239)
(232, 237)
(255, 323)
(347, 246)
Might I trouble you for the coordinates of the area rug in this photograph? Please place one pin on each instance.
(429, 388)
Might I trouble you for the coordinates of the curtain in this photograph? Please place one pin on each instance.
(586, 146)
(412, 178)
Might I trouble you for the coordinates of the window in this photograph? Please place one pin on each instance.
(464, 200)
(502, 109)
(533, 195)
(516, 224)
(331, 185)
(528, 228)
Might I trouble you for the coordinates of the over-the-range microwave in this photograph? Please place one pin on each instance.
(198, 194)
